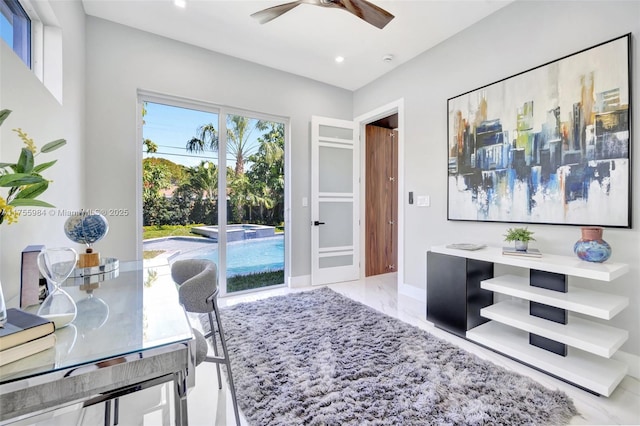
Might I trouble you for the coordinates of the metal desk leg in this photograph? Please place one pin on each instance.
(107, 413)
(180, 397)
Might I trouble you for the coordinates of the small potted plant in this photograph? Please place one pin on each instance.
(520, 236)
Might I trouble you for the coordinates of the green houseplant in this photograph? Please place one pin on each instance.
(22, 179)
(520, 237)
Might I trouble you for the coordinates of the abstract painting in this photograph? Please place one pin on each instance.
(549, 145)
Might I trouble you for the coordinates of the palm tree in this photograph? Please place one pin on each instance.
(267, 171)
(239, 147)
(206, 138)
(204, 177)
(200, 192)
(259, 196)
(238, 185)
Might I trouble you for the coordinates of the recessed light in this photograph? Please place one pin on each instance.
(339, 59)
(180, 3)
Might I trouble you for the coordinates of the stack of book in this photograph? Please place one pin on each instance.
(24, 334)
(511, 251)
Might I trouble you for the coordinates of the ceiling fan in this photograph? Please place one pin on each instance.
(369, 12)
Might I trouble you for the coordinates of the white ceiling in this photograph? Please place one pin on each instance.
(305, 40)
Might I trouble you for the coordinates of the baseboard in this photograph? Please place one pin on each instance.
(300, 281)
(633, 361)
(412, 291)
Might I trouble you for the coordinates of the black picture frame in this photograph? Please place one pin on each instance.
(550, 145)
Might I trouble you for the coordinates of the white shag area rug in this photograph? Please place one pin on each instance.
(319, 358)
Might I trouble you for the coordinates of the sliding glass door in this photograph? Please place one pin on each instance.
(255, 202)
(213, 186)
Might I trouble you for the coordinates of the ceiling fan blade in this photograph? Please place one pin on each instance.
(369, 12)
(271, 13)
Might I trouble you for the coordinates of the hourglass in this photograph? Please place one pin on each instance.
(56, 264)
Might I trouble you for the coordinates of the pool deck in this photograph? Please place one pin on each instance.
(178, 243)
(174, 246)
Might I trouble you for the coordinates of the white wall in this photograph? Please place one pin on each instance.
(121, 60)
(38, 113)
(516, 38)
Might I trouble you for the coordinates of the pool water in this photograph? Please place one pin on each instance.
(247, 256)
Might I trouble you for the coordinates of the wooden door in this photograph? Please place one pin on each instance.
(381, 200)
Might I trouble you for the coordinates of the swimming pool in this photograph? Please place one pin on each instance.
(247, 256)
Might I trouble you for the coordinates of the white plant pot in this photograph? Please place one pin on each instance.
(522, 245)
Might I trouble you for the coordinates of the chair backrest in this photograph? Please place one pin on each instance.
(197, 280)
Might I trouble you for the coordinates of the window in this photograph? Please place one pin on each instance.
(15, 29)
(32, 30)
(191, 153)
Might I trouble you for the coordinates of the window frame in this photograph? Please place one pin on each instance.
(22, 29)
(222, 111)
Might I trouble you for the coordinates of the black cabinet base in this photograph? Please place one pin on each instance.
(454, 296)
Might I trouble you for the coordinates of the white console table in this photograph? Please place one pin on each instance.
(508, 326)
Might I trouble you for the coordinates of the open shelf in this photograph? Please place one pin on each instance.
(567, 265)
(589, 336)
(590, 344)
(588, 302)
(600, 375)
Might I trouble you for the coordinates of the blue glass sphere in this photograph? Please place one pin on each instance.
(86, 229)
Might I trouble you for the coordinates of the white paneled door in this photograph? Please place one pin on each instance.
(335, 221)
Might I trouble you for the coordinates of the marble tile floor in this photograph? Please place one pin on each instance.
(208, 406)
(379, 292)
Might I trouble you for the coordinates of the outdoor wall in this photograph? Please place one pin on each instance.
(44, 119)
(121, 60)
(518, 37)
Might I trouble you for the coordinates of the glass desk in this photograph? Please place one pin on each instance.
(130, 333)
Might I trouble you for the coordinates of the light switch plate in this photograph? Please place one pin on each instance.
(424, 201)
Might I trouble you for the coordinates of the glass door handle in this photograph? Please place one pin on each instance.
(317, 223)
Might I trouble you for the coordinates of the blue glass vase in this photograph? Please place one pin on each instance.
(591, 247)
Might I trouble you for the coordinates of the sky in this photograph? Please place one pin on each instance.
(6, 30)
(170, 128)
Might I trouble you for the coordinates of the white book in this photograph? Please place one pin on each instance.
(511, 251)
(26, 349)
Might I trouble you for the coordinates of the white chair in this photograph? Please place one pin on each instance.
(198, 291)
